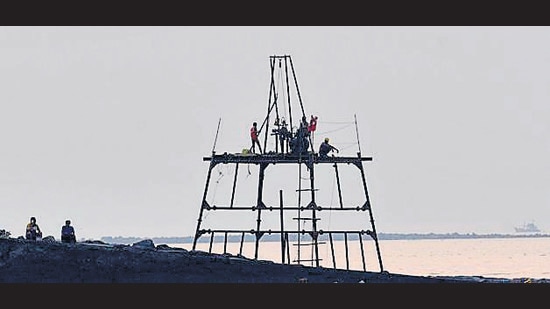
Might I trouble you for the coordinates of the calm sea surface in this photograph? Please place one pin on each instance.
(492, 257)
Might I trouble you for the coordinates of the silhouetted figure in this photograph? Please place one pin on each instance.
(67, 233)
(284, 135)
(33, 230)
(325, 148)
(254, 138)
(299, 144)
(304, 123)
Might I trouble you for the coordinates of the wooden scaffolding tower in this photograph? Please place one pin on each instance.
(293, 147)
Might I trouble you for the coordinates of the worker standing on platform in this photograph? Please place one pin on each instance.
(254, 138)
(312, 126)
(284, 135)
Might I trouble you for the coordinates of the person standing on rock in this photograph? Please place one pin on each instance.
(67, 233)
(33, 230)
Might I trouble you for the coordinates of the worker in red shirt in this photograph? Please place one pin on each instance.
(312, 124)
(254, 138)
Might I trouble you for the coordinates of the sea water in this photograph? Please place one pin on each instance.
(487, 257)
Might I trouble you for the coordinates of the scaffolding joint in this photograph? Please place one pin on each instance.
(260, 205)
(313, 205)
(371, 234)
(365, 206)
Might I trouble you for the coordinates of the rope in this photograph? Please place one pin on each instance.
(338, 129)
(347, 147)
(220, 176)
(281, 84)
(338, 122)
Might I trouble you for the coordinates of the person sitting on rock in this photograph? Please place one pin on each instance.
(67, 233)
(33, 230)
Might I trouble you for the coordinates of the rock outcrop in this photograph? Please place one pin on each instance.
(50, 261)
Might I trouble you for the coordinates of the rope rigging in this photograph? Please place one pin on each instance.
(335, 130)
(284, 95)
(220, 176)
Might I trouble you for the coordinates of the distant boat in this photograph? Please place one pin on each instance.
(527, 228)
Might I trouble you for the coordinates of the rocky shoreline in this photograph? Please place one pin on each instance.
(50, 261)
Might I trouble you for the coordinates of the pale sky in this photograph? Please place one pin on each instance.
(108, 126)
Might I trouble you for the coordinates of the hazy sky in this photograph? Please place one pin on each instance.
(108, 126)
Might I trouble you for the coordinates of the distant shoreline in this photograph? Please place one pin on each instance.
(381, 236)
